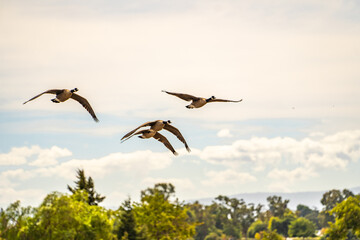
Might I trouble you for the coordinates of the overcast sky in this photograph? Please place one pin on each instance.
(295, 64)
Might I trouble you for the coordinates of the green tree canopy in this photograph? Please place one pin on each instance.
(308, 213)
(347, 218)
(301, 227)
(87, 185)
(242, 215)
(277, 206)
(205, 218)
(281, 225)
(165, 189)
(268, 235)
(162, 218)
(69, 217)
(13, 220)
(256, 227)
(333, 197)
(302, 210)
(329, 200)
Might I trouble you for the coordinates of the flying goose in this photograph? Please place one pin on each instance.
(197, 102)
(64, 94)
(156, 126)
(150, 133)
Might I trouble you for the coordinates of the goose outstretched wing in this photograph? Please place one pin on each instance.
(183, 96)
(85, 104)
(142, 125)
(52, 91)
(178, 134)
(164, 140)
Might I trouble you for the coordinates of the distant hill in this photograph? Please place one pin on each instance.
(310, 199)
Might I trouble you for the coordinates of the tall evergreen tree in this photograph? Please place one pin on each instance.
(127, 228)
(87, 185)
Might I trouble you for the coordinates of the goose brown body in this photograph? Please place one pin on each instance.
(64, 95)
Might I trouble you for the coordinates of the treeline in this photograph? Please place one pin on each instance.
(160, 215)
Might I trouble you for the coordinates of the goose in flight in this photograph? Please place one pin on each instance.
(156, 126)
(64, 94)
(149, 133)
(198, 102)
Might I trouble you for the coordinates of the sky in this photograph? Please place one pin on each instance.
(295, 64)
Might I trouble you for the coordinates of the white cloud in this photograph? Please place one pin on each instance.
(181, 184)
(285, 178)
(278, 186)
(257, 151)
(133, 165)
(334, 151)
(227, 177)
(18, 174)
(45, 157)
(137, 163)
(290, 161)
(31, 197)
(114, 199)
(18, 156)
(224, 133)
(291, 175)
(48, 157)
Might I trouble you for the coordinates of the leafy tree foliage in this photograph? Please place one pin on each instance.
(87, 185)
(310, 214)
(69, 217)
(276, 224)
(303, 210)
(165, 189)
(256, 227)
(206, 218)
(329, 200)
(268, 235)
(162, 218)
(159, 215)
(13, 220)
(347, 221)
(281, 225)
(241, 215)
(301, 227)
(215, 236)
(277, 206)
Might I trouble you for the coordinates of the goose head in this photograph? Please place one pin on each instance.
(210, 98)
(167, 122)
(74, 90)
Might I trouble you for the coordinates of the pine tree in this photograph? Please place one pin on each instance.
(87, 185)
(127, 228)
